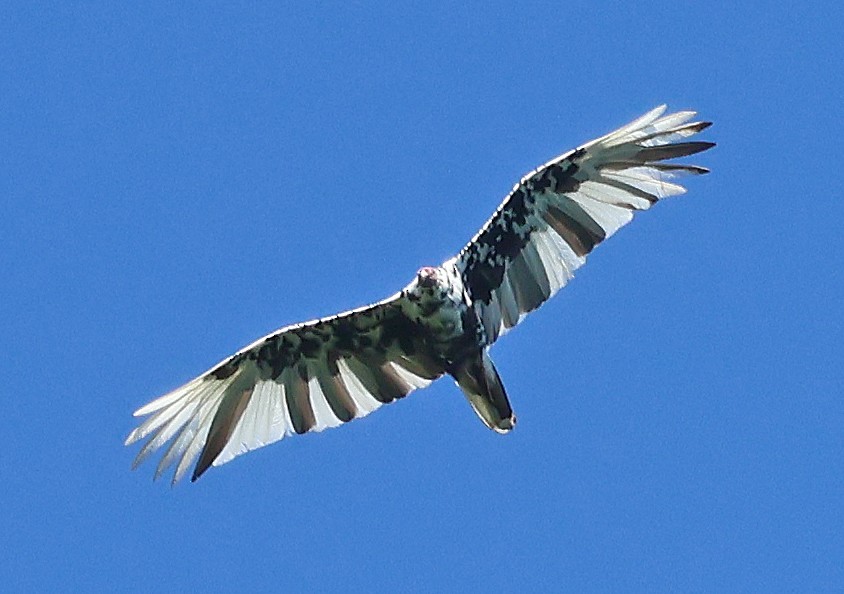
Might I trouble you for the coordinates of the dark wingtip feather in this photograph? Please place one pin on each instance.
(672, 151)
(202, 465)
(228, 415)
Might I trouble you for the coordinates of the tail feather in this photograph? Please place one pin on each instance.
(481, 384)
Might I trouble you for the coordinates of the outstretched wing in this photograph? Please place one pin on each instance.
(305, 377)
(558, 213)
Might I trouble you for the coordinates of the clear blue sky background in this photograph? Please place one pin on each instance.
(176, 182)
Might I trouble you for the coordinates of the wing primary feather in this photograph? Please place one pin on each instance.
(228, 415)
(665, 136)
(188, 430)
(192, 447)
(636, 124)
(672, 151)
(162, 417)
(666, 167)
(625, 187)
(575, 226)
(169, 398)
(175, 419)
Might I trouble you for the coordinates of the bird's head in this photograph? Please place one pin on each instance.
(430, 281)
(428, 277)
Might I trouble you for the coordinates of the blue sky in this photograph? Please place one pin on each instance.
(179, 181)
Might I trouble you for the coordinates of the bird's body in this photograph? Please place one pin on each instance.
(320, 374)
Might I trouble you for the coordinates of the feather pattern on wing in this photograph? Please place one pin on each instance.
(302, 378)
(558, 213)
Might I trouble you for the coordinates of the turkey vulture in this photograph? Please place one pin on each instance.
(326, 372)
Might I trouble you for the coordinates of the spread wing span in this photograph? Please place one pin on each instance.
(305, 377)
(326, 372)
(557, 214)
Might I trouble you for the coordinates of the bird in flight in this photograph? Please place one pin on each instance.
(326, 372)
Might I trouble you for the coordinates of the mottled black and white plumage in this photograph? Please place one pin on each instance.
(320, 374)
